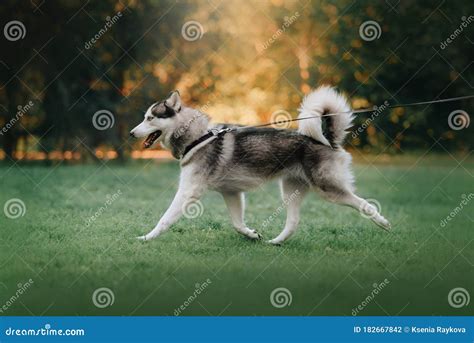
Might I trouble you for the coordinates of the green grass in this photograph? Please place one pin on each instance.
(329, 266)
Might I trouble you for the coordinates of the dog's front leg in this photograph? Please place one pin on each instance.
(187, 194)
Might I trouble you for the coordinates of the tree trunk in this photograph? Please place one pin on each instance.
(9, 144)
(10, 139)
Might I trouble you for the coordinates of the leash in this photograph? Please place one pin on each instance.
(365, 110)
(220, 132)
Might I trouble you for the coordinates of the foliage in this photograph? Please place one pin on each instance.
(254, 58)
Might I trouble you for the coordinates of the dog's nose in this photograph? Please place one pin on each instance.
(132, 134)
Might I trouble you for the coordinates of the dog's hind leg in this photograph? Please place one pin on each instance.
(236, 204)
(367, 209)
(292, 193)
(348, 198)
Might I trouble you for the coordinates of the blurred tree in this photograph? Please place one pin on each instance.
(83, 55)
(247, 60)
(407, 63)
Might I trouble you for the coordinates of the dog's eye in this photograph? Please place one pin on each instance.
(149, 118)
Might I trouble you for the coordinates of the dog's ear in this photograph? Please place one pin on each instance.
(174, 101)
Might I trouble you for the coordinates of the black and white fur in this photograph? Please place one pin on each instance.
(240, 160)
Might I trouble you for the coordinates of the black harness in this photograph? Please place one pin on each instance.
(209, 134)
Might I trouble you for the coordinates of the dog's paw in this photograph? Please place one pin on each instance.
(252, 234)
(141, 238)
(383, 223)
(275, 242)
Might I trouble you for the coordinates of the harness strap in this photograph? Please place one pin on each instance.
(209, 134)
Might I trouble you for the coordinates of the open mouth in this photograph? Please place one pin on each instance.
(152, 137)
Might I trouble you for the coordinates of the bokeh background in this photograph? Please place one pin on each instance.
(76, 76)
(239, 61)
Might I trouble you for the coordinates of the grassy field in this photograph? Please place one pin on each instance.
(329, 267)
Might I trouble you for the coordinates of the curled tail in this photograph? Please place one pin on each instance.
(316, 104)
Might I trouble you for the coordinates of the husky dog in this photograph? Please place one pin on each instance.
(231, 159)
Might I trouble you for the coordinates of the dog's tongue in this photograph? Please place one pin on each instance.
(151, 139)
(147, 143)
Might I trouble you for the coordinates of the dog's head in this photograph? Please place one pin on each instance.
(171, 123)
(159, 118)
